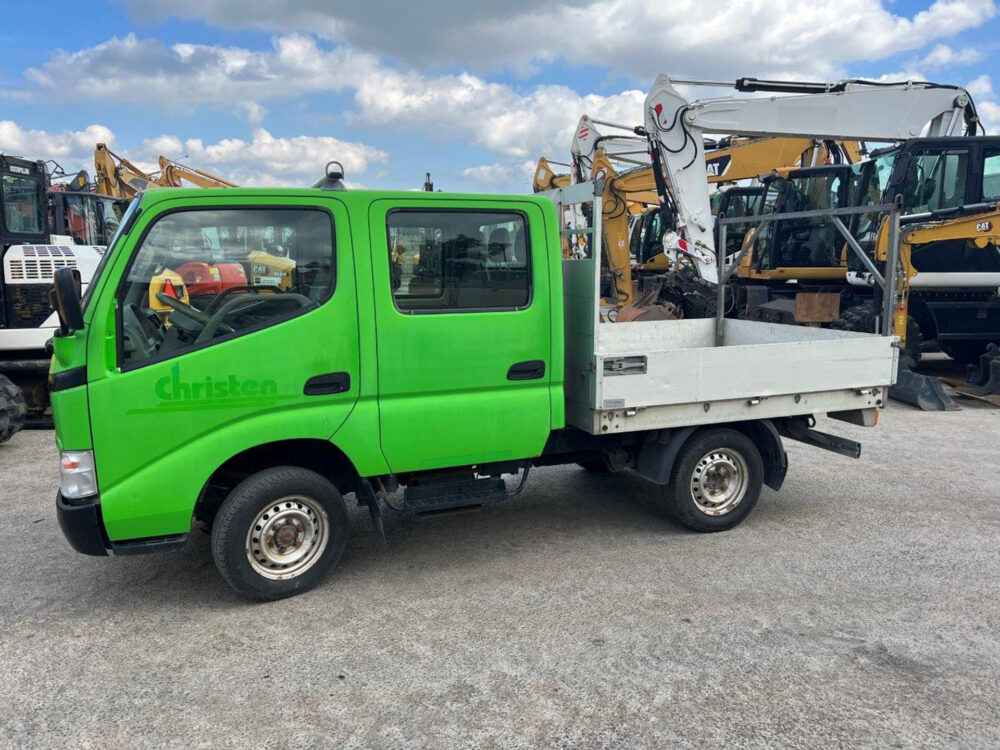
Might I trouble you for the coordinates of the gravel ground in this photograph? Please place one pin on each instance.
(856, 607)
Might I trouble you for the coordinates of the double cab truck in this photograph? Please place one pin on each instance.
(248, 359)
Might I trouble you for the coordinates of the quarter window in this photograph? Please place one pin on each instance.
(204, 275)
(458, 260)
(991, 175)
(937, 181)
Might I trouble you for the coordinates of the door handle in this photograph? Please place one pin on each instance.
(533, 369)
(331, 382)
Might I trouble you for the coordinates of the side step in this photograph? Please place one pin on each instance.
(430, 496)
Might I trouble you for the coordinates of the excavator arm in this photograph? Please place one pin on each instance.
(547, 178)
(851, 110)
(174, 174)
(117, 177)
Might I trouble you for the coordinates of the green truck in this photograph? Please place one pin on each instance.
(246, 359)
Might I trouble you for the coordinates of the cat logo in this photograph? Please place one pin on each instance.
(984, 226)
(719, 166)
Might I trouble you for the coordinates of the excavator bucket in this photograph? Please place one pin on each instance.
(985, 378)
(922, 391)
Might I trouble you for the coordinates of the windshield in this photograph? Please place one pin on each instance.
(22, 207)
(126, 221)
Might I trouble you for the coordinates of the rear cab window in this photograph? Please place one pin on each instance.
(452, 260)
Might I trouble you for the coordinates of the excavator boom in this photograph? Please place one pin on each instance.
(851, 110)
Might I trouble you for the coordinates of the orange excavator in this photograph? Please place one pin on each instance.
(120, 178)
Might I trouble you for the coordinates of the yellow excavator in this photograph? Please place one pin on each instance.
(174, 174)
(631, 193)
(120, 178)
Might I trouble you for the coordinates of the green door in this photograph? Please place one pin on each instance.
(463, 317)
(233, 325)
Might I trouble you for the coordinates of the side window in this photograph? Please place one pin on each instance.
(207, 274)
(991, 174)
(81, 220)
(111, 215)
(458, 260)
(937, 181)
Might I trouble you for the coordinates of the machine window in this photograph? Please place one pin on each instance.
(458, 260)
(991, 175)
(203, 275)
(937, 181)
(23, 211)
(81, 219)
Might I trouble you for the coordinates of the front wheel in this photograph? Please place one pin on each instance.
(279, 532)
(716, 480)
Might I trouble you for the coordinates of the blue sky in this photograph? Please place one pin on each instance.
(265, 91)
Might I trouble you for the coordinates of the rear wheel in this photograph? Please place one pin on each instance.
(279, 532)
(716, 480)
(13, 409)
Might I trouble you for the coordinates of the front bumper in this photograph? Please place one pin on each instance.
(82, 525)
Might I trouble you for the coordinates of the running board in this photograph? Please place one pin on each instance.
(432, 496)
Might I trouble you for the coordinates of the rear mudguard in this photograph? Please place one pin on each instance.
(657, 456)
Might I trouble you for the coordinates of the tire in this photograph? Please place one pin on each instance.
(13, 409)
(862, 318)
(730, 456)
(287, 503)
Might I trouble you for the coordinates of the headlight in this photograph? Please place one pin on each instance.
(77, 475)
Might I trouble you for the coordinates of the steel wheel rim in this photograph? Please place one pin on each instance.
(287, 537)
(719, 482)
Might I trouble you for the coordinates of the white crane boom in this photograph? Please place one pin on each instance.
(852, 110)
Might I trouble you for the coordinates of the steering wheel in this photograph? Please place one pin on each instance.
(244, 303)
(193, 313)
(183, 308)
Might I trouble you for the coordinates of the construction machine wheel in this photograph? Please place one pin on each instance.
(966, 352)
(278, 532)
(716, 480)
(13, 409)
(862, 318)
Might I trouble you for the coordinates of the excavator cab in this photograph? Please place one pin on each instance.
(23, 185)
(732, 203)
(807, 242)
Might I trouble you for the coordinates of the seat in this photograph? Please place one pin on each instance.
(499, 246)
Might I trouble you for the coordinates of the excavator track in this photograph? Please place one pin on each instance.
(13, 409)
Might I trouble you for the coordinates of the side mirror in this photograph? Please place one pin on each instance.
(66, 299)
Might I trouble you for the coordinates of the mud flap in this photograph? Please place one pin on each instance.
(924, 392)
(367, 494)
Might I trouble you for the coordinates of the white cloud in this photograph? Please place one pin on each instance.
(980, 86)
(262, 160)
(493, 116)
(182, 76)
(510, 176)
(72, 149)
(985, 97)
(630, 37)
(943, 56)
